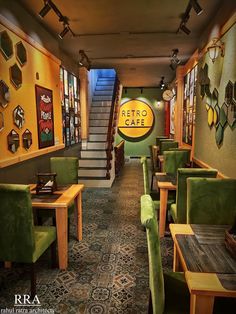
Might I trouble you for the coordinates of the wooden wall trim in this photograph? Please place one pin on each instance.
(202, 164)
(13, 160)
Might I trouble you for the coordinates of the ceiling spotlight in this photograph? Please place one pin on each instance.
(162, 84)
(196, 6)
(175, 53)
(45, 9)
(64, 31)
(184, 28)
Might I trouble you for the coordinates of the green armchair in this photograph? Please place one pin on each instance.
(178, 210)
(168, 291)
(66, 169)
(187, 154)
(211, 201)
(160, 138)
(20, 240)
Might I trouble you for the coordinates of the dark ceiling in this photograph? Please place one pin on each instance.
(135, 37)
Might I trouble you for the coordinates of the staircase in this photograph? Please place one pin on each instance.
(93, 164)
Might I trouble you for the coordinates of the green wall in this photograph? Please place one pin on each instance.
(222, 157)
(151, 96)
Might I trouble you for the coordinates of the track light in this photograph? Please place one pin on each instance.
(184, 28)
(84, 60)
(45, 9)
(196, 6)
(64, 31)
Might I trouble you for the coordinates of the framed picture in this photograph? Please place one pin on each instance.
(44, 103)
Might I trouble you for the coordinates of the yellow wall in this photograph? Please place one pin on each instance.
(47, 66)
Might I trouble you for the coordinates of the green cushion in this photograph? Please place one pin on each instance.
(44, 237)
(143, 161)
(166, 145)
(66, 169)
(181, 193)
(187, 153)
(211, 201)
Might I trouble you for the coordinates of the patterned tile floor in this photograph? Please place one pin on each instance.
(108, 269)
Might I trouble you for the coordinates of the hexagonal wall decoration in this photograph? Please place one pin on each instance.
(16, 76)
(1, 121)
(219, 134)
(6, 46)
(231, 114)
(229, 93)
(216, 115)
(223, 115)
(21, 53)
(13, 141)
(210, 116)
(27, 139)
(204, 81)
(4, 94)
(19, 117)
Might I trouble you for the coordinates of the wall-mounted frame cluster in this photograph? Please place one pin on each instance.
(69, 90)
(189, 105)
(1, 121)
(218, 116)
(16, 76)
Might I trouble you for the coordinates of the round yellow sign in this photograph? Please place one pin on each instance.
(136, 120)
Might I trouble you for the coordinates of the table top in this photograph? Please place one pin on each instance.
(60, 198)
(202, 251)
(166, 177)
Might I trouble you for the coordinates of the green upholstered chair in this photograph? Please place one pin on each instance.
(154, 165)
(178, 210)
(174, 160)
(168, 291)
(159, 138)
(211, 201)
(20, 240)
(155, 195)
(66, 169)
(187, 154)
(166, 145)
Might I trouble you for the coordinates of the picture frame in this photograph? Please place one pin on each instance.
(44, 104)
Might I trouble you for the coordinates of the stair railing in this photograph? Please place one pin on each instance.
(112, 127)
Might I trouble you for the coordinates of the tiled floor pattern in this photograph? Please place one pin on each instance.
(108, 269)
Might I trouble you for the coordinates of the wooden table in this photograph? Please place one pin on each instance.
(60, 201)
(164, 187)
(209, 269)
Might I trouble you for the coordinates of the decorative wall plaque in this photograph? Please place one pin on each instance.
(6, 46)
(27, 139)
(4, 94)
(16, 76)
(13, 141)
(21, 53)
(19, 117)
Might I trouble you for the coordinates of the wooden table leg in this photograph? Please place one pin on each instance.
(79, 216)
(162, 213)
(62, 236)
(201, 304)
(176, 261)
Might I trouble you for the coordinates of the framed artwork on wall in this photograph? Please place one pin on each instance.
(44, 103)
(189, 105)
(70, 107)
